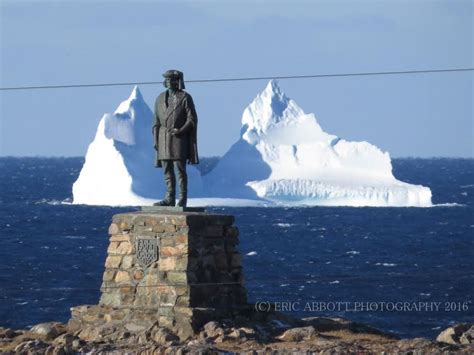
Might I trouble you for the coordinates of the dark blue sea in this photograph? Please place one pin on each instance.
(388, 267)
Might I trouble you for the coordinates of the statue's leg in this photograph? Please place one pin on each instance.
(170, 181)
(183, 182)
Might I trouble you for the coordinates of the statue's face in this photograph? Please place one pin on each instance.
(172, 83)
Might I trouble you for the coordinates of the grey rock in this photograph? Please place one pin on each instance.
(163, 336)
(221, 339)
(236, 333)
(468, 336)
(55, 350)
(50, 330)
(414, 344)
(31, 347)
(325, 324)
(134, 328)
(77, 344)
(65, 339)
(97, 333)
(453, 335)
(7, 333)
(241, 334)
(299, 334)
(213, 329)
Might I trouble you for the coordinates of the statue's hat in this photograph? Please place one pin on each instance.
(176, 74)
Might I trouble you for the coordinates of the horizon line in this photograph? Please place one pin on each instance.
(220, 156)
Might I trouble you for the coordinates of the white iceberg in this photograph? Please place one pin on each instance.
(119, 165)
(283, 156)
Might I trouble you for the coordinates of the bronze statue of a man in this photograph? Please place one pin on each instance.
(175, 135)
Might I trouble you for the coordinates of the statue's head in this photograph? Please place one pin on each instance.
(174, 79)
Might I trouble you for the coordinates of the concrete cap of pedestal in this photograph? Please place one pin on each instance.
(167, 209)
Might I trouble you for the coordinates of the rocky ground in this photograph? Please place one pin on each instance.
(277, 333)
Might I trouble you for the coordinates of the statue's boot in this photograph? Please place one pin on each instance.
(183, 183)
(183, 200)
(170, 181)
(168, 201)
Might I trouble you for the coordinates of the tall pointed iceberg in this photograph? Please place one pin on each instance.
(284, 156)
(119, 166)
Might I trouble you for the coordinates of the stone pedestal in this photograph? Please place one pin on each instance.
(176, 270)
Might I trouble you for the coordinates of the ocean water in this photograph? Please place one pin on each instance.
(388, 267)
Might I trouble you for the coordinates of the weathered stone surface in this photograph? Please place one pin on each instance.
(468, 336)
(220, 259)
(214, 231)
(322, 324)
(108, 275)
(122, 276)
(177, 277)
(181, 239)
(111, 299)
(458, 334)
(167, 264)
(120, 238)
(252, 336)
(96, 333)
(127, 262)
(163, 336)
(112, 247)
(65, 339)
(138, 274)
(135, 328)
(7, 333)
(231, 232)
(50, 330)
(124, 248)
(31, 347)
(113, 261)
(236, 260)
(114, 228)
(213, 329)
(179, 250)
(183, 264)
(299, 334)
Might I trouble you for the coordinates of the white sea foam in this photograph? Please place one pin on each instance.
(283, 225)
(53, 202)
(74, 237)
(386, 264)
(453, 204)
(353, 252)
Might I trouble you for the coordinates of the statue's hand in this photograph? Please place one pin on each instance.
(176, 132)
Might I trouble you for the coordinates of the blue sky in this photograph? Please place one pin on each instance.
(76, 42)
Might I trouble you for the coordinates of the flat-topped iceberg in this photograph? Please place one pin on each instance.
(284, 156)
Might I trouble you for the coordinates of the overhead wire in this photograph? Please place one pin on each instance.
(277, 77)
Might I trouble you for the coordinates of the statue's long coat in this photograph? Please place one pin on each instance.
(167, 117)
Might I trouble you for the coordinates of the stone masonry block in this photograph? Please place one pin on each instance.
(114, 228)
(113, 261)
(120, 238)
(122, 276)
